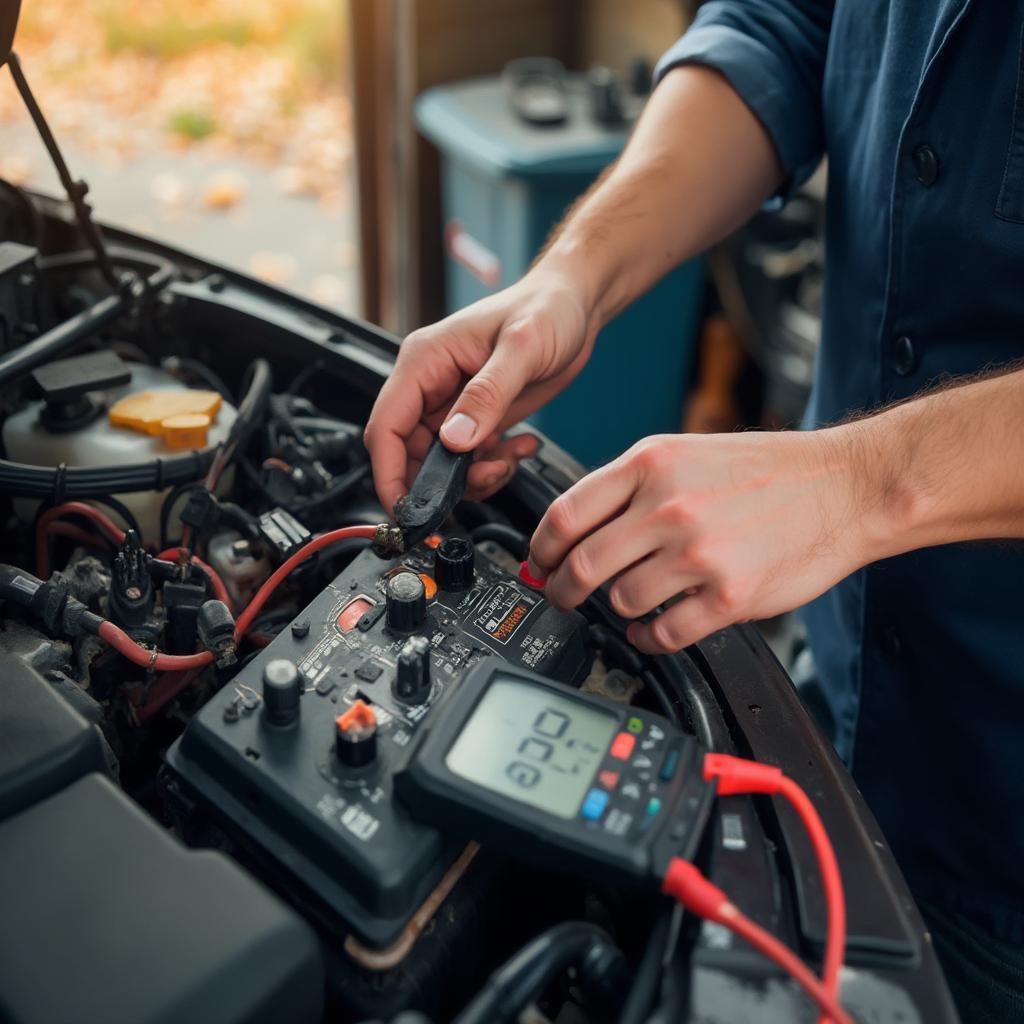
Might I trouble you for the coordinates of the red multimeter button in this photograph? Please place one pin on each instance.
(622, 746)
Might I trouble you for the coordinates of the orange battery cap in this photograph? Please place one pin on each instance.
(148, 411)
(429, 585)
(186, 431)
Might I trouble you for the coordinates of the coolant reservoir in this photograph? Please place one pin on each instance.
(31, 436)
(231, 557)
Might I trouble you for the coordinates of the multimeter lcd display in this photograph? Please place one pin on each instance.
(533, 745)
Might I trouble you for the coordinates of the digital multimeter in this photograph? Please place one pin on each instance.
(539, 770)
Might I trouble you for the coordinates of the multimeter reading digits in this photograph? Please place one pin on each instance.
(550, 774)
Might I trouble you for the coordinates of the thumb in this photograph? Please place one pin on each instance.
(485, 400)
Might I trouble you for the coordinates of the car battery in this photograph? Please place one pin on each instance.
(297, 754)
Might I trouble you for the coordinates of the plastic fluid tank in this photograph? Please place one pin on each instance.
(101, 444)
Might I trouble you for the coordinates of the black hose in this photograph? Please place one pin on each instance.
(703, 711)
(66, 335)
(340, 488)
(168, 504)
(130, 522)
(194, 368)
(512, 540)
(67, 482)
(253, 407)
(304, 376)
(160, 270)
(18, 587)
(59, 339)
(644, 990)
(600, 966)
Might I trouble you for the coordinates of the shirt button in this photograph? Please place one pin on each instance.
(904, 358)
(926, 165)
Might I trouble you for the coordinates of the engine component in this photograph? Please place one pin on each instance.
(599, 964)
(131, 592)
(412, 673)
(331, 828)
(282, 533)
(454, 562)
(355, 740)
(17, 315)
(232, 557)
(406, 602)
(216, 628)
(44, 743)
(225, 948)
(176, 416)
(182, 602)
(99, 443)
(67, 387)
(282, 688)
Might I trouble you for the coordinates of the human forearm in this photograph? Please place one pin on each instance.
(942, 468)
(698, 165)
(750, 525)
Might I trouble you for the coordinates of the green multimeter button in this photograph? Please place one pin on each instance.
(635, 725)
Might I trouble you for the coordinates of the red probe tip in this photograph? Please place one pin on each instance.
(537, 582)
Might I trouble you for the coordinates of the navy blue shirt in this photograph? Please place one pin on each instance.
(919, 105)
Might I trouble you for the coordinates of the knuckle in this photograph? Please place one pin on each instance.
(560, 517)
(413, 343)
(699, 557)
(677, 512)
(729, 599)
(578, 569)
(483, 391)
(650, 458)
(520, 332)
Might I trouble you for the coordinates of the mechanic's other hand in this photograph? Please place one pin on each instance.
(473, 375)
(737, 526)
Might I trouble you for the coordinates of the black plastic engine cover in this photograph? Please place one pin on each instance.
(334, 831)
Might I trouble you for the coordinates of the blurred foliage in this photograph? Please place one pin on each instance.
(193, 124)
(261, 79)
(308, 30)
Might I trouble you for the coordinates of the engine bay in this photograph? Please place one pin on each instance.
(217, 650)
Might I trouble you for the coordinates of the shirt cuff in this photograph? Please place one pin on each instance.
(773, 91)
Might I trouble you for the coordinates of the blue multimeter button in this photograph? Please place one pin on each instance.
(668, 766)
(594, 805)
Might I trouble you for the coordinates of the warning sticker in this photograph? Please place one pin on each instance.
(502, 611)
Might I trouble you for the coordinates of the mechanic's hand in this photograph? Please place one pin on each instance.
(739, 526)
(475, 374)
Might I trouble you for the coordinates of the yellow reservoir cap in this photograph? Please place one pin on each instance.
(187, 431)
(171, 414)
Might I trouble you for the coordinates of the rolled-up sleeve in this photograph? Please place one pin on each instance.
(773, 54)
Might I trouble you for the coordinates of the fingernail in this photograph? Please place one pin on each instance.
(460, 429)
